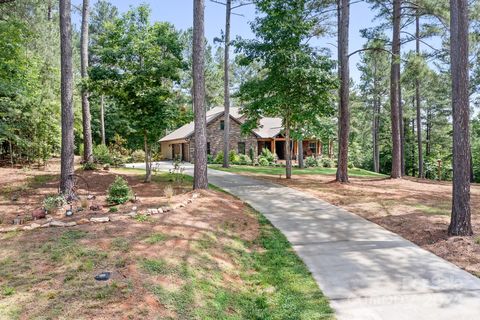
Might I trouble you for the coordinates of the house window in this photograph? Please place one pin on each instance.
(241, 148)
(208, 148)
(222, 125)
(313, 147)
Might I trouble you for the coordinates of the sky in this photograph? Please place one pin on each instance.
(180, 14)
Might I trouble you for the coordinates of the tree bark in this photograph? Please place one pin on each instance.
(418, 102)
(394, 94)
(301, 165)
(67, 155)
(376, 120)
(148, 163)
(102, 119)
(200, 179)
(288, 153)
(87, 127)
(402, 125)
(344, 73)
(226, 90)
(460, 224)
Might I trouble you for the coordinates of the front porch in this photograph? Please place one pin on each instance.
(311, 147)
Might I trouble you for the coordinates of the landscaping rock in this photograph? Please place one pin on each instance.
(45, 225)
(195, 195)
(9, 229)
(160, 210)
(70, 224)
(83, 221)
(132, 214)
(90, 197)
(152, 211)
(56, 223)
(39, 213)
(33, 226)
(100, 219)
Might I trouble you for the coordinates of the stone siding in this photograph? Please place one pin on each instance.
(215, 138)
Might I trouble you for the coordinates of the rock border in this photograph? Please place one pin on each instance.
(104, 219)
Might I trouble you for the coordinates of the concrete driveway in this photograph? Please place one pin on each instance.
(367, 272)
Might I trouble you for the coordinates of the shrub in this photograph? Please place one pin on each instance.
(113, 209)
(102, 154)
(267, 154)
(219, 158)
(119, 191)
(117, 159)
(251, 153)
(234, 157)
(244, 159)
(53, 203)
(262, 161)
(89, 166)
(138, 156)
(210, 159)
(311, 162)
(327, 162)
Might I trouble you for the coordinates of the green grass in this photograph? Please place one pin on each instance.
(355, 172)
(440, 210)
(156, 238)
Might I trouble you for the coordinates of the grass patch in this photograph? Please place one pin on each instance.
(156, 238)
(157, 267)
(477, 240)
(40, 180)
(121, 244)
(440, 210)
(355, 172)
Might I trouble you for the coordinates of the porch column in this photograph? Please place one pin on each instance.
(273, 146)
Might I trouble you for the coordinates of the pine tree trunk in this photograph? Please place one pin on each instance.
(288, 153)
(148, 162)
(102, 119)
(226, 87)
(394, 94)
(460, 224)
(413, 148)
(402, 126)
(67, 152)
(376, 119)
(301, 165)
(87, 128)
(200, 179)
(418, 103)
(344, 73)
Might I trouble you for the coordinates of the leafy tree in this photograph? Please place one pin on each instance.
(141, 62)
(297, 81)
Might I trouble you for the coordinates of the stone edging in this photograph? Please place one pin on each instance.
(57, 223)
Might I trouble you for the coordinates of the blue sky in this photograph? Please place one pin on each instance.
(180, 13)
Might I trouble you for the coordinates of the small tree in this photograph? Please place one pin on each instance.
(297, 82)
(141, 62)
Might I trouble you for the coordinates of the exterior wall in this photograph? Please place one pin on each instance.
(215, 138)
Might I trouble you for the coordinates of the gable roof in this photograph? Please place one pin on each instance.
(269, 127)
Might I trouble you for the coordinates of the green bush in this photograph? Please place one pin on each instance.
(219, 158)
(138, 156)
(53, 203)
(262, 161)
(234, 157)
(210, 159)
(117, 159)
(102, 154)
(251, 153)
(89, 166)
(311, 162)
(327, 162)
(244, 159)
(119, 191)
(267, 154)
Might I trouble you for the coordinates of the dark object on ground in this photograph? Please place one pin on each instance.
(18, 220)
(95, 207)
(104, 276)
(14, 197)
(39, 214)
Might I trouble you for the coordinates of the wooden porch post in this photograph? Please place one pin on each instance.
(273, 146)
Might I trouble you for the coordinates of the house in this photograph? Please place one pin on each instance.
(181, 142)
